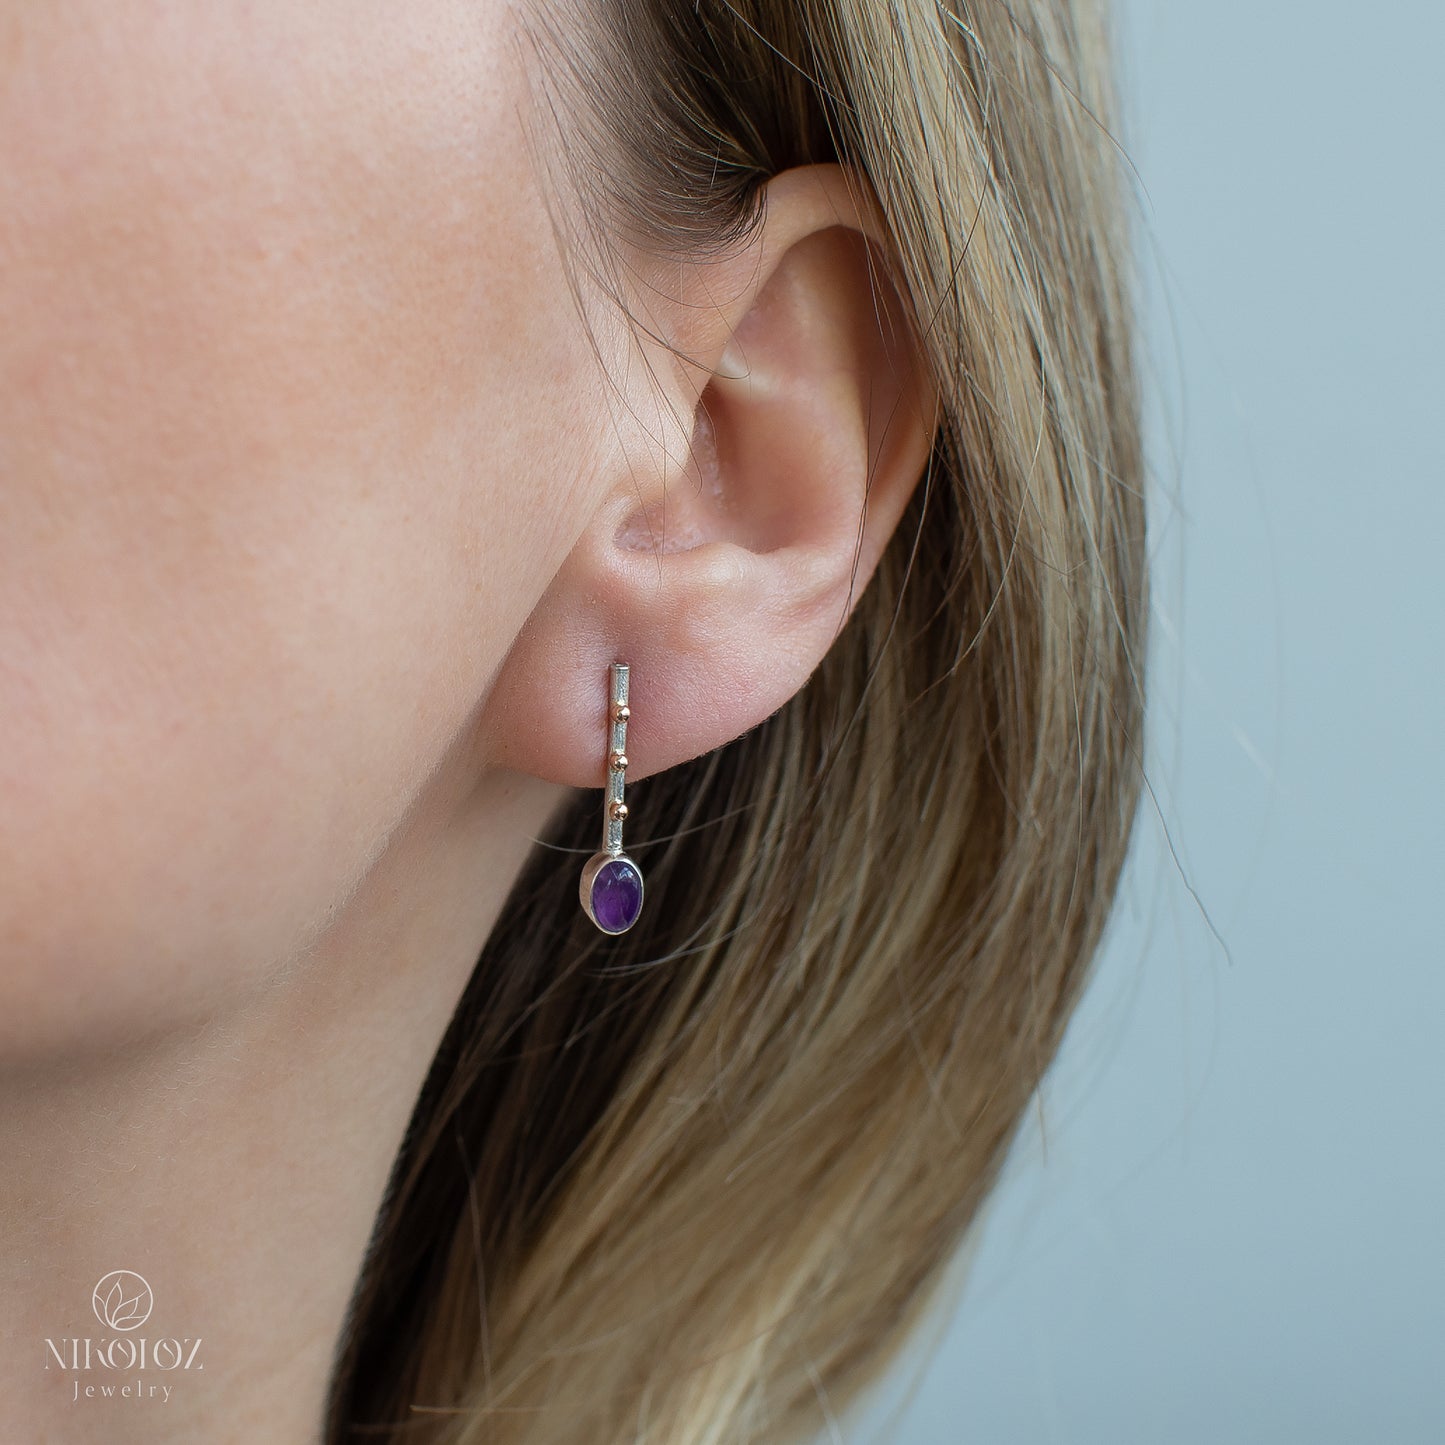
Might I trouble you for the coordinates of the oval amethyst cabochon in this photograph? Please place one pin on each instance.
(616, 895)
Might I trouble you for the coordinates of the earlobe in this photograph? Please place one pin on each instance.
(724, 575)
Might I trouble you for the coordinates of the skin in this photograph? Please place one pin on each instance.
(318, 530)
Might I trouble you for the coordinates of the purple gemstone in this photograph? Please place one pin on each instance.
(616, 896)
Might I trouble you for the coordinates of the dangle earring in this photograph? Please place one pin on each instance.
(611, 884)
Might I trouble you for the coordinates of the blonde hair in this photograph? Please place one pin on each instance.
(678, 1186)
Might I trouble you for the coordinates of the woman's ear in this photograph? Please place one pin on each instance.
(722, 569)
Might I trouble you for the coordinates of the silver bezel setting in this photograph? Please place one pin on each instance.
(614, 810)
(589, 877)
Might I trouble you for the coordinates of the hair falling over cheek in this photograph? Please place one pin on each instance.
(679, 1185)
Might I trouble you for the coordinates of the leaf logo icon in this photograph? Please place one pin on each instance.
(122, 1300)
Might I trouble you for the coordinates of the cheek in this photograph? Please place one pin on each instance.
(285, 327)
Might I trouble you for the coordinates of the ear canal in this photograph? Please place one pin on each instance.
(674, 522)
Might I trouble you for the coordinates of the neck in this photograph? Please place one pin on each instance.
(237, 1167)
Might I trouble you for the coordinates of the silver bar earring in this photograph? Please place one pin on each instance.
(611, 883)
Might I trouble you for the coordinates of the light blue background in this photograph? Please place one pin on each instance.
(1225, 1228)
